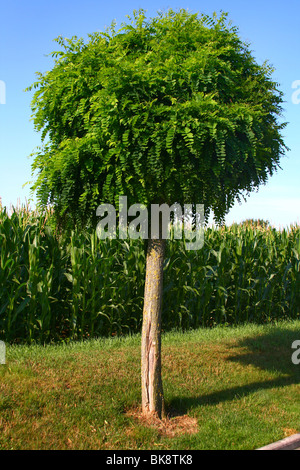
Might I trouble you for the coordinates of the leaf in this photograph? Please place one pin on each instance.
(69, 277)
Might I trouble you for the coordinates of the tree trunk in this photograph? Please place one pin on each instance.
(152, 391)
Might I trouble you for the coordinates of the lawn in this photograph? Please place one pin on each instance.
(225, 388)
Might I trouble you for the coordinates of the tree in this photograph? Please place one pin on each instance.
(260, 223)
(170, 109)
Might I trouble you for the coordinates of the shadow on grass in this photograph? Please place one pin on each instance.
(271, 352)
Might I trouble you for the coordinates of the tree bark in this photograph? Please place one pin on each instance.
(152, 390)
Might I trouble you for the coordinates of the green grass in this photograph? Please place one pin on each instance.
(239, 383)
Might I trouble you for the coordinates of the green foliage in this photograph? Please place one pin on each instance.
(170, 109)
(71, 286)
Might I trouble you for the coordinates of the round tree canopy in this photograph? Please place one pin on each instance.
(170, 109)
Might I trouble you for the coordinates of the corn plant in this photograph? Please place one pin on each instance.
(60, 287)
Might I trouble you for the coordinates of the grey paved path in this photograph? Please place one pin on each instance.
(289, 443)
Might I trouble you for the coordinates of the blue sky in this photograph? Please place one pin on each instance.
(27, 31)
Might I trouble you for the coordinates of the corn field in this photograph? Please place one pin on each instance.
(57, 287)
